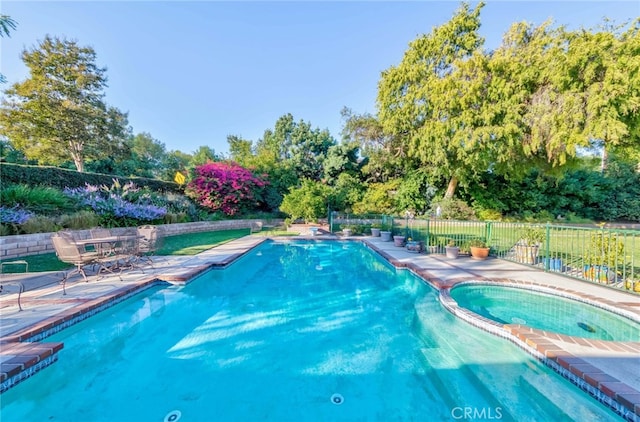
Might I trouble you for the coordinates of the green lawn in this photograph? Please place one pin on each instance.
(182, 244)
(194, 243)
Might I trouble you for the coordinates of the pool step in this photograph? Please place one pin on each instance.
(538, 399)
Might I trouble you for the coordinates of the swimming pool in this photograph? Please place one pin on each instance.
(512, 305)
(294, 331)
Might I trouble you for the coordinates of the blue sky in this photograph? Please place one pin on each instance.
(191, 73)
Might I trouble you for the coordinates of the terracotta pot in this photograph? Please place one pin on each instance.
(479, 253)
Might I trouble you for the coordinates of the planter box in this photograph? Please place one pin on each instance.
(375, 232)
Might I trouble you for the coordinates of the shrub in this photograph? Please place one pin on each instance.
(605, 249)
(6, 230)
(308, 201)
(485, 214)
(84, 219)
(477, 243)
(39, 224)
(60, 178)
(414, 193)
(378, 198)
(38, 199)
(453, 209)
(532, 235)
(225, 187)
(175, 217)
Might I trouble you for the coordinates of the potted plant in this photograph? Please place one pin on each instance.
(604, 257)
(478, 249)
(451, 250)
(631, 284)
(435, 245)
(349, 229)
(416, 246)
(527, 247)
(385, 233)
(375, 229)
(398, 240)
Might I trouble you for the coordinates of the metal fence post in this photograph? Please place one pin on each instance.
(406, 226)
(330, 222)
(547, 247)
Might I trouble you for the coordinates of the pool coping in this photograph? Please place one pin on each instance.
(29, 355)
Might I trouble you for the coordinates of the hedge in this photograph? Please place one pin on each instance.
(64, 178)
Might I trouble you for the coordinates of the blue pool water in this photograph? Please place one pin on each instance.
(294, 331)
(509, 305)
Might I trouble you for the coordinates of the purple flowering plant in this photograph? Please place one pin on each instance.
(226, 187)
(117, 205)
(14, 215)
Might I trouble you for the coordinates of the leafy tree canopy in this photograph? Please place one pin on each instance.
(308, 201)
(297, 143)
(543, 95)
(58, 113)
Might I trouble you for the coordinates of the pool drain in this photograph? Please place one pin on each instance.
(337, 399)
(173, 416)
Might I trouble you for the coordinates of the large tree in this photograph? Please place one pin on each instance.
(605, 65)
(241, 150)
(304, 148)
(429, 100)
(59, 113)
(149, 153)
(383, 155)
(543, 95)
(175, 162)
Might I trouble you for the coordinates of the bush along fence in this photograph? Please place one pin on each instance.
(602, 255)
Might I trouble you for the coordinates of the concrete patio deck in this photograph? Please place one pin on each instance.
(610, 369)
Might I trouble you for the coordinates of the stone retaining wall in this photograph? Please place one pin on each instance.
(12, 247)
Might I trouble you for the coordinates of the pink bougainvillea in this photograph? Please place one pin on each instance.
(225, 187)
